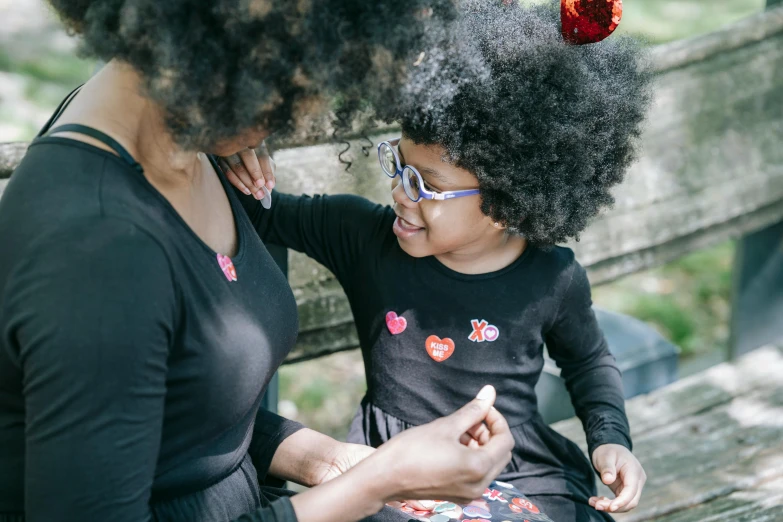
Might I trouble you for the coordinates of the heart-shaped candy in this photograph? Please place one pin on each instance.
(439, 349)
(395, 324)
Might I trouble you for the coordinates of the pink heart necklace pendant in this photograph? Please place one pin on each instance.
(227, 266)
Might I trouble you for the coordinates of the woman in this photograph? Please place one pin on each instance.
(130, 372)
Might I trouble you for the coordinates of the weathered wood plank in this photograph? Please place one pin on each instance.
(762, 504)
(709, 456)
(702, 392)
(10, 156)
(752, 467)
(707, 436)
(748, 31)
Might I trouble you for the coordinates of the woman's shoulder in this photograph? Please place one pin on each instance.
(64, 185)
(59, 215)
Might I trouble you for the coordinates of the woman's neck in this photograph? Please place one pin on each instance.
(112, 102)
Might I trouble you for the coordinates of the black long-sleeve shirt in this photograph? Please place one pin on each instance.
(432, 337)
(132, 366)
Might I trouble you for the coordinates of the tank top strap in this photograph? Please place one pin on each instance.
(87, 131)
(103, 138)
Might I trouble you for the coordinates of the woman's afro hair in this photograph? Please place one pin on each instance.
(221, 67)
(547, 127)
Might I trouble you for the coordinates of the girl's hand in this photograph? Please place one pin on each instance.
(251, 171)
(433, 461)
(624, 475)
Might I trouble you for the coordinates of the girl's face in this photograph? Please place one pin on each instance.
(433, 228)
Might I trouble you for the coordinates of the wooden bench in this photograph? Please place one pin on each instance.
(712, 444)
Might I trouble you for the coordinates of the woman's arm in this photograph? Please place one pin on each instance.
(91, 313)
(310, 458)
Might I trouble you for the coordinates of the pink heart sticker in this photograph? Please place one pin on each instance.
(395, 324)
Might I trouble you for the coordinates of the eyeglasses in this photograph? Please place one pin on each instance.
(412, 182)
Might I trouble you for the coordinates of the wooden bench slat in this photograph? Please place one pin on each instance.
(763, 504)
(707, 436)
(698, 393)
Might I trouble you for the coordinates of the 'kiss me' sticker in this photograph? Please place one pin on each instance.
(439, 349)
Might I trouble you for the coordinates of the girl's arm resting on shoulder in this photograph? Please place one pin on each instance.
(333, 230)
(577, 344)
(90, 319)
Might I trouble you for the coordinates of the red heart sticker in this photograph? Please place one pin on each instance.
(395, 324)
(525, 504)
(439, 349)
(589, 21)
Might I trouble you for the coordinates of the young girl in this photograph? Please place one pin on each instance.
(459, 283)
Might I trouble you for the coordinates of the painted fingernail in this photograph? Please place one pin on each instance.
(246, 191)
(258, 196)
(485, 393)
(270, 184)
(259, 183)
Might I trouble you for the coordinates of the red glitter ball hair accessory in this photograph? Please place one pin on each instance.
(589, 21)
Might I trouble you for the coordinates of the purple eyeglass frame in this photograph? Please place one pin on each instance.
(424, 193)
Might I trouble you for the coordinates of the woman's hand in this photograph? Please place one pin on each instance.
(438, 460)
(622, 472)
(251, 171)
(429, 461)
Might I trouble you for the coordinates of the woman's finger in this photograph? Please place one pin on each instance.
(232, 178)
(268, 167)
(420, 505)
(472, 413)
(497, 450)
(238, 167)
(478, 434)
(253, 167)
(500, 439)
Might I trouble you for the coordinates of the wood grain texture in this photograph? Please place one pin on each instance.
(713, 439)
(10, 156)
